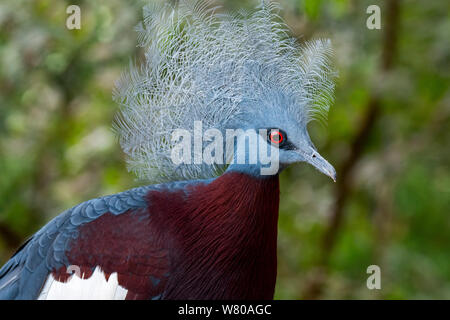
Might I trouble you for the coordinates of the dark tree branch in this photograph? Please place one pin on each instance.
(9, 236)
(344, 182)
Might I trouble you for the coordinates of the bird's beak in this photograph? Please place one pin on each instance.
(319, 162)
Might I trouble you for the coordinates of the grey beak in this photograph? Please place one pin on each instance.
(319, 162)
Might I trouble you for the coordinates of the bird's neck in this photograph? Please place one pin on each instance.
(227, 238)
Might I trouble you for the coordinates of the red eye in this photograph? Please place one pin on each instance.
(276, 137)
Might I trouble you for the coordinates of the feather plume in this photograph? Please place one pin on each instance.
(200, 65)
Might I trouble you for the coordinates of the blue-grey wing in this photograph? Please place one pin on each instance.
(23, 276)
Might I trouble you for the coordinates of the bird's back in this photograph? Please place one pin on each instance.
(201, 239)
(24, 275)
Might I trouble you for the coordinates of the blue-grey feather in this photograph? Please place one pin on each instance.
(23, 276)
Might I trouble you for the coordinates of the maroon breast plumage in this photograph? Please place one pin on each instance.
(213, 240)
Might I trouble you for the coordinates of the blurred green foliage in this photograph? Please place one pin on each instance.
(57, 149)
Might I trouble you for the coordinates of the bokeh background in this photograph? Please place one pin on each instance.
(388, 136)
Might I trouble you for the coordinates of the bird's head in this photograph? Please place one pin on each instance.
(281, 124)
(227, 71)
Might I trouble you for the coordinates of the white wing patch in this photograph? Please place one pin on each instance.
(94, 288)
